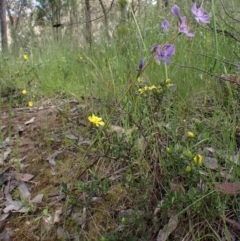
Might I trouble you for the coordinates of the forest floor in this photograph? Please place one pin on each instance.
(39, 151)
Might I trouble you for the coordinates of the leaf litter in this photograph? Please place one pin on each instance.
(28, 182)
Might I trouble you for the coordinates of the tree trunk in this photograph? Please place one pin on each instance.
(3, 26)
(105, 19)
(88, 22)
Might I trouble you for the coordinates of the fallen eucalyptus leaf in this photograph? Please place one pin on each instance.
(30, 121)
(228, 187)
(6, 234)
(71, 137)
(47, 222)
(117, 129)
(168, 229)
(57, 215)
(5, 155)
(51, 159)
(37, 199)
(24, 192)
(12, 205)
(210, 162)
(62, 235)
(3, 217)
(25, 177)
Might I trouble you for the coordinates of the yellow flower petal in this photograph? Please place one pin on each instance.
(190, 134)
(140, 79)
(188, 169)
(97, 121)
(198, 159)
(169, 150)
(25, 57)
(24, 92)
(123, 220)
(152, 87)
(30, 103)
(168, 81)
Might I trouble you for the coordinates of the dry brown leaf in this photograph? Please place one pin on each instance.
(210, 162)
(62, 235)
(210, 150)
(6, 234)
(117, 129)
(47, 222)
(3, 217)
(30, 121)
(51, 159)
(228, 187)
(24, 192)
(37, 199)
(84, 218)
(25, 177)
(21, 210)
(71, 137)
(168, 229)
(57, 215)
(226, 175)
(12, 205)
(4, 156)
(233, 223)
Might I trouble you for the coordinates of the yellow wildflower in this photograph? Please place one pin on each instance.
(123, 220)
(188, 169)
(142, 90)
(198, 159)
(160, 88)
(24, 92)
(140, 79)
(97, 121)
(167, 82)
(30, 103)
(25, 57)
(191, 134)
(152, 87)
(169, 150)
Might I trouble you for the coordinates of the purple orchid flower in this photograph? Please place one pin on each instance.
(176, 11)
(165, 52)
(165, 26)
(140, 65)
(183, 28)
(199, 14)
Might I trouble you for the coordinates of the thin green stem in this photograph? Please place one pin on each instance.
(166, 72)
(215, 32)
(139, 31)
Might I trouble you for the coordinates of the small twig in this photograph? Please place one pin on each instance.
(233, 223)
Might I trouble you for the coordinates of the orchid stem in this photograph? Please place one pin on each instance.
(215, 32)
(166, 72)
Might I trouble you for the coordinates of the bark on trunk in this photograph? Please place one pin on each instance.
(105, 19)
(3, 26)
(88, 22)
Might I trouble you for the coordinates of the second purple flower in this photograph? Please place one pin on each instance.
(165, 26)
(165, 52)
